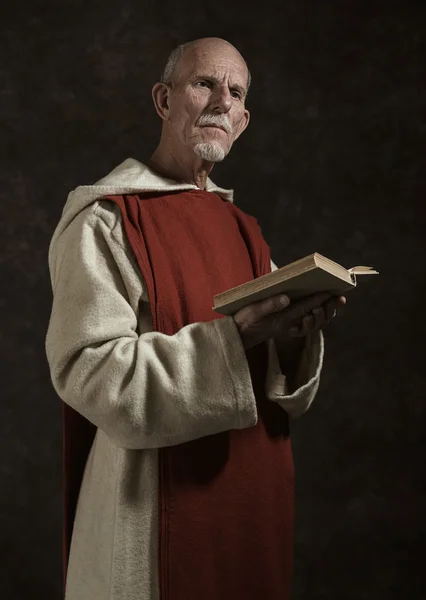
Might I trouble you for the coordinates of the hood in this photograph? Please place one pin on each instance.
(130, 177)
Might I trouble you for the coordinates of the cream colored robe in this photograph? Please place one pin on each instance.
(142, 389)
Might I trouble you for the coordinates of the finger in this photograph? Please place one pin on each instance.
(333, 306)
(330, 310)
(319, 316)
(257, 310)
(340, 301)
(274, 304)
(300, 308)
(308, 323)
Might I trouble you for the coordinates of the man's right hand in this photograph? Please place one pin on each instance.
(270, 318)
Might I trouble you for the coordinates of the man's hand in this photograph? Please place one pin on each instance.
(269, 318)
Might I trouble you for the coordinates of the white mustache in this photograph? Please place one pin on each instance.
(217, 121)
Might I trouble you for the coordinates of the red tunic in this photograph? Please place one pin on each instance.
(226, 508)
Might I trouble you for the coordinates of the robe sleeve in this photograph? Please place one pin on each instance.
(306, 378)
(144, 390)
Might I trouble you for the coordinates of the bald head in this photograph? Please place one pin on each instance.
(201, 100)
(185, 57)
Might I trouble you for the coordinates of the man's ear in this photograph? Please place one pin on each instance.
(242, 124)
(160, 96)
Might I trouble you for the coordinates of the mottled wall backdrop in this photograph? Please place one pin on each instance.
(333, 161)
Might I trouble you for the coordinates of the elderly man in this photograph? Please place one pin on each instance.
(177, 457)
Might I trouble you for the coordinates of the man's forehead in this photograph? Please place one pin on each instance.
(214, 62)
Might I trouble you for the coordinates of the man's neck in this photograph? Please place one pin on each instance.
(171, 165)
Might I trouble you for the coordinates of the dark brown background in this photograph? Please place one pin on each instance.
(333, 161)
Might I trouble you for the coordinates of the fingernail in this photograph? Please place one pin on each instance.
(284, 300)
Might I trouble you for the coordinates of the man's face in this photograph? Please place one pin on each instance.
(207, 101)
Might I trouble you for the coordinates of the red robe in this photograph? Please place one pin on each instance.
(226, 508)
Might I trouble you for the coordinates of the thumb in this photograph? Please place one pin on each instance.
(275, 304)
(258, 310)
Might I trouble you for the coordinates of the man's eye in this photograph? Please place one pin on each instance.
(236, 94)
(204, 83)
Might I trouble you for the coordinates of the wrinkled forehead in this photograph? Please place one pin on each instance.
(216, 62)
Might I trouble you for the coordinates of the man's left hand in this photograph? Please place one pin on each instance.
(290, 345)
(317, 318)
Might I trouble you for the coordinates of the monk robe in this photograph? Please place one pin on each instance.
(177, 461)
(225, 500)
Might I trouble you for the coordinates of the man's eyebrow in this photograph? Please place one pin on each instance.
(239, 88)
(234, 86)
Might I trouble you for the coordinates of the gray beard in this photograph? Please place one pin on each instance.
(210, 152)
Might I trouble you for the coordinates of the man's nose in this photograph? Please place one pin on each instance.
(222, 100)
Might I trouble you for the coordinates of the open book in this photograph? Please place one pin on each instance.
(310, 275)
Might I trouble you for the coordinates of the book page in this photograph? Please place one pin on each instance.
(363, 271)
